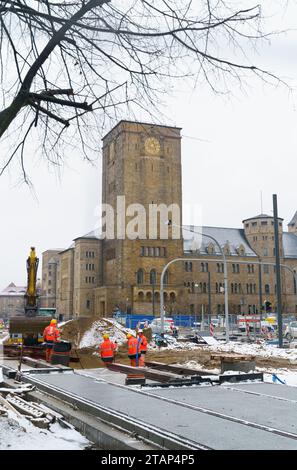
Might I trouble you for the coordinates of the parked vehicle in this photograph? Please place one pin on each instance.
(291, 330)
(169, 326)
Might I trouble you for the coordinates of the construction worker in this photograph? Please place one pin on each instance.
(142, 348)
(133, 350)
(51, 335)
(107, 349)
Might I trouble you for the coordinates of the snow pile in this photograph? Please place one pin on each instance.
(94, 336)
(263, 350)
(23, 435)
(196, 365)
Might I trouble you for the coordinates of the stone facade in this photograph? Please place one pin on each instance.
(12, 301)
(142, 163)
(50, 268)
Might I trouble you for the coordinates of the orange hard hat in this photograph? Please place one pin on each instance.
(129, 335)
(54, 321)
(106, 336)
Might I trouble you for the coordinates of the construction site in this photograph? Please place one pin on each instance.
(189, 395)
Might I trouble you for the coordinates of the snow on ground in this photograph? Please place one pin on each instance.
(22, 435)
(263, 350)
(94, 336)
(64, 323)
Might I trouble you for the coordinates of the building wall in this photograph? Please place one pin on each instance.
(66, 283)
(87, 275)
(122, 273)
(11, 306)
(49, 286)
(144, 177)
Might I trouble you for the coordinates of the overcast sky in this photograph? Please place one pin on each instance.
(248, 145)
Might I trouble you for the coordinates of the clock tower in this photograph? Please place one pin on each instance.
(142, 168)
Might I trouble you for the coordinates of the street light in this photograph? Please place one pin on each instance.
(169, 222)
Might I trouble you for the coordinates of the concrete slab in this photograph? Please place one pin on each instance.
(211, 431)
(261, 410)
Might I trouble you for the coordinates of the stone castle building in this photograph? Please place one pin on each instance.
(95, 275)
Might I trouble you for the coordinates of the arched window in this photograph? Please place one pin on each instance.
(172, 297)
(148, 296)
(157, 296)
(139, 276)
(267, 289)
(153, 277)
(140, 296)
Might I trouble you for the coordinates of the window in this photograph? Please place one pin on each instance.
(220, 267)
(264, 222)
(265, 251)
(235, 268)
(156, 251)
(267, 289)
(254, 224)
(153, 277)
(188, 266)
(49, 282)
(86, 280)
(266, 269)
(88, 304)
(204, 267)
(139, 276)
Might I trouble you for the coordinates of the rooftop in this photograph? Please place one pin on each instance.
(12, 290)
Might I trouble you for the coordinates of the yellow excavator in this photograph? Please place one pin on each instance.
(28, 328)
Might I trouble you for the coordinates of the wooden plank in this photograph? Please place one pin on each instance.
(180, 370)
(152, 374)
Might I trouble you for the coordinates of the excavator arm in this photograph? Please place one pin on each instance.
(31, 293)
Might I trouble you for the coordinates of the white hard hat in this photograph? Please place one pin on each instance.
(140, 331)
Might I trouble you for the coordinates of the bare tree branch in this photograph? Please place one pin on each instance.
(109, 58)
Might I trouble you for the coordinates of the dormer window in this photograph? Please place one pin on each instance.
(210, 248)
(241, 250)
(227, 249)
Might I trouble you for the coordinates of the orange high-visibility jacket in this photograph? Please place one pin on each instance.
(107, 348)
(51, 333)
(132, 347)
(143, 344)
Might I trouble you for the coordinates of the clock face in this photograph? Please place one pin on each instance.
(152, 146)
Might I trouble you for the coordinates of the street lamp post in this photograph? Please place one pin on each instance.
(225, 277)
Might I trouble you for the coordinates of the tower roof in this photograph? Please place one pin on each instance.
(261, 216)
(294, 219)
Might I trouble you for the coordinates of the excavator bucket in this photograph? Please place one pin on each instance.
(24, 325)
